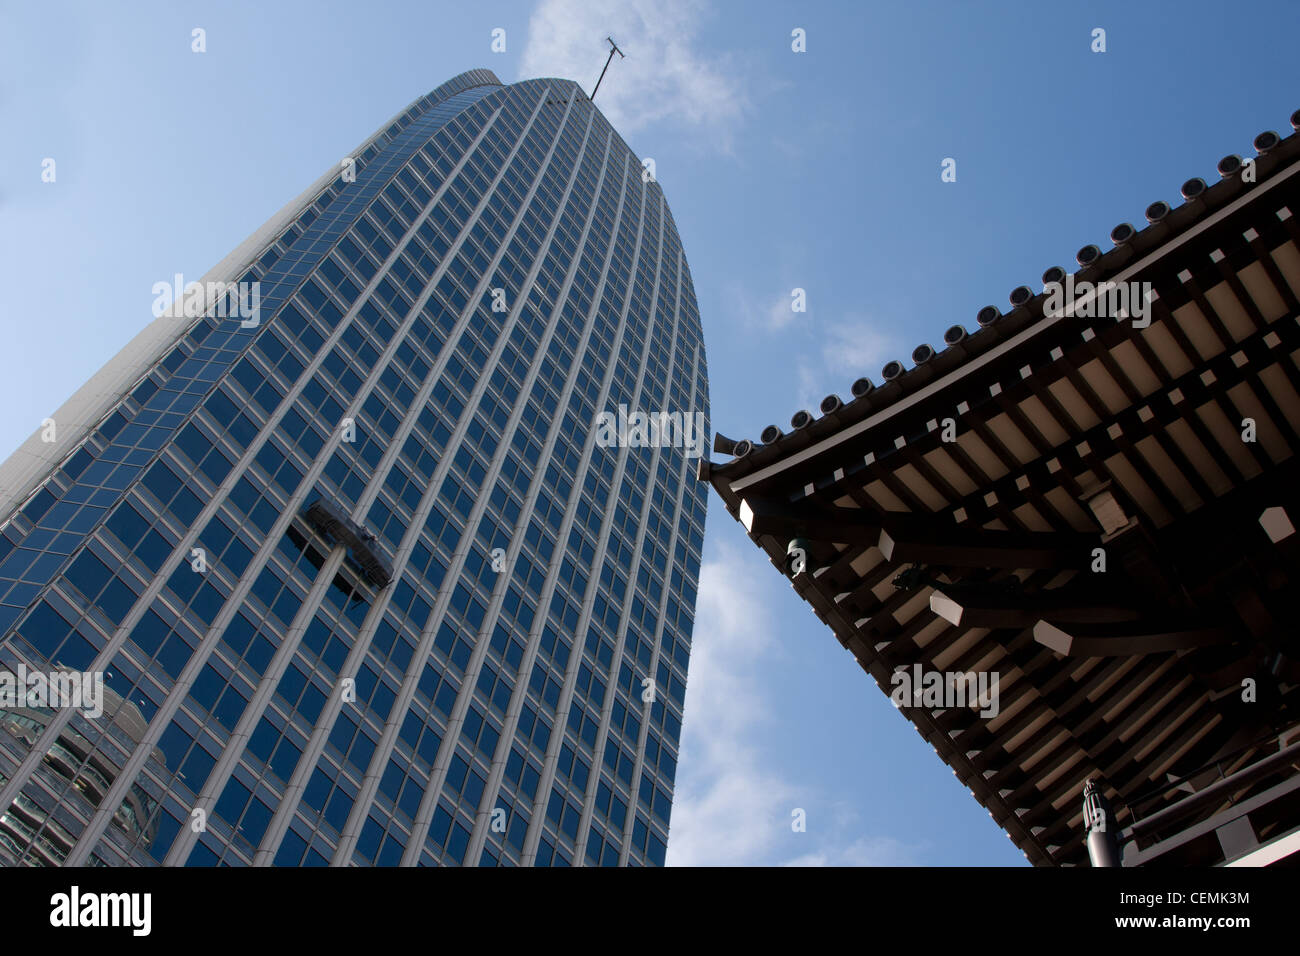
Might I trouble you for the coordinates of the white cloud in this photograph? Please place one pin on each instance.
(864, 851)
(728, 808)
(825, 355)
(781, 312)
(858, 347)
(665, 76)
(813, 384)
(851, 345)
(771, 313)
(732, 806)
(846, 350)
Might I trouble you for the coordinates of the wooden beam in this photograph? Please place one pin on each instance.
(918, 538)
(904, 540)
(805, 520)
(1138, 637)
(993, 609)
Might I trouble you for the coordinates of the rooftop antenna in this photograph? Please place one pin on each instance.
(613, 48)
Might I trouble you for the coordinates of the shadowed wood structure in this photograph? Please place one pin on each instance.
(1099, 510)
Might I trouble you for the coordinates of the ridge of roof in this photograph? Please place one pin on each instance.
(1164, 222)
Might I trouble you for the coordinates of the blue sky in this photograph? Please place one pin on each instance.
(818, 170)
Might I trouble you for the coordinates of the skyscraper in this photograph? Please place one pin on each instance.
(366, 581)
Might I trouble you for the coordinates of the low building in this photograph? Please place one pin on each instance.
(1092, 500)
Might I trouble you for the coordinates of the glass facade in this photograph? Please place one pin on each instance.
(363, 585)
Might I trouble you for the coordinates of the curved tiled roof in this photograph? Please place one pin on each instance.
(1129, 245)
(970, 546)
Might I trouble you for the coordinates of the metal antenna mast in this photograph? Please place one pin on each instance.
(613, 49)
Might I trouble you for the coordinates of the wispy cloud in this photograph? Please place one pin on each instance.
(665, 76)
(846, 349)
(729, 807)
(770, 311)
(858, 346)
(864, 851)
(826, 354)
